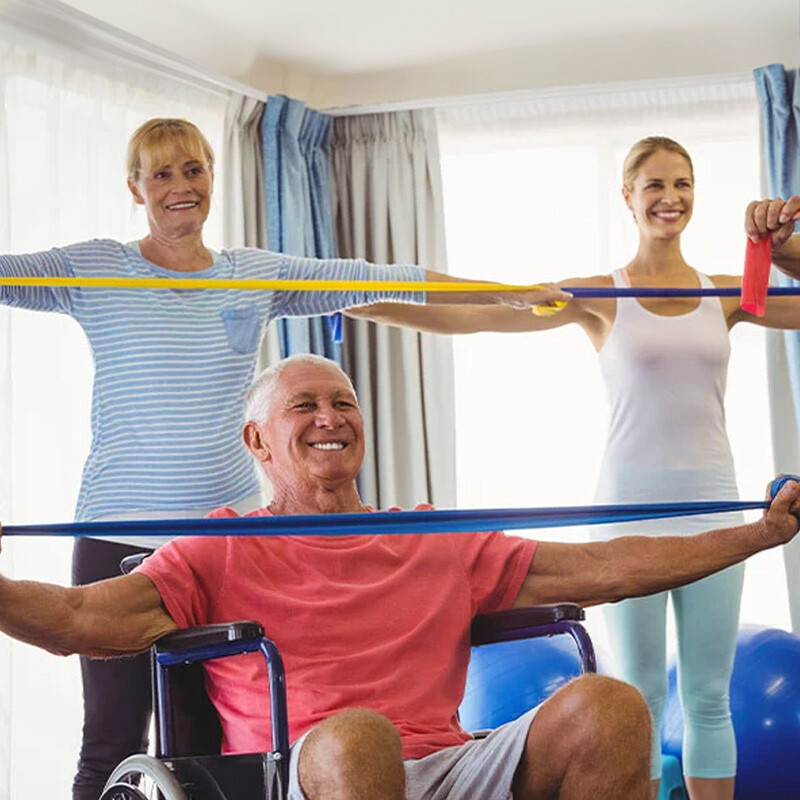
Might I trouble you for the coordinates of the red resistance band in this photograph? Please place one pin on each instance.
(757, 263)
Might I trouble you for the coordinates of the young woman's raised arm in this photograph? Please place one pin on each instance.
(777, 217)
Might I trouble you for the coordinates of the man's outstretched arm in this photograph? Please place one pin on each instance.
(632, 566)
(115, 617)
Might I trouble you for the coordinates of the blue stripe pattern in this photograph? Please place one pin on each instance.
(172, 366)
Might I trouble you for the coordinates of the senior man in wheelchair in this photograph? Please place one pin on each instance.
(374, 630)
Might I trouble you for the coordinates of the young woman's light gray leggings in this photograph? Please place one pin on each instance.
(707, 618)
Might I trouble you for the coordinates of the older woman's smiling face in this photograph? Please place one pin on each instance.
(176, 195)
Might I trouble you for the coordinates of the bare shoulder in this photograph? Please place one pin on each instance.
(726, 281)
(594, 314)
(730, 305)
(593, 281)
(591, 305)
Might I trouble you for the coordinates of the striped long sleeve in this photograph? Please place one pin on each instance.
(172, 366)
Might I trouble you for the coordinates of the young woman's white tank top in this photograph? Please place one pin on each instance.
(665, 378)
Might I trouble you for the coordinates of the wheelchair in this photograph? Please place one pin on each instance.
(187, 764)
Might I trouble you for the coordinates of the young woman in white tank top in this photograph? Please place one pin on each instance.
(664, 361)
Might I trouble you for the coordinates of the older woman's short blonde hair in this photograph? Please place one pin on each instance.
(645, 148)
(153, 142)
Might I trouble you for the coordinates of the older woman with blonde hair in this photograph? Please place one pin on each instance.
(664, 361)
(171, 369)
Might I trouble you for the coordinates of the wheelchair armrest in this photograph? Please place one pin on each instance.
(129, 563)
(209, 636)
(521, 623)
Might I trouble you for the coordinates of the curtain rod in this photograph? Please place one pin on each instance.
(557, 93)
(73, 29)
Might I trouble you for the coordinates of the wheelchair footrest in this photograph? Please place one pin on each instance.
(251, 776)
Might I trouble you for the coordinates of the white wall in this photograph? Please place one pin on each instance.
(316, 53)
(664, 53)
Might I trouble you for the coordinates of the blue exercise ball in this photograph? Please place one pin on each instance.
(506, 679)
(765, 705)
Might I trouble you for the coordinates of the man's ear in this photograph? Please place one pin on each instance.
(254, 441)
(137, 195)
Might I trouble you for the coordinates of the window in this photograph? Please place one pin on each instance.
(64, 132)
(532, 193)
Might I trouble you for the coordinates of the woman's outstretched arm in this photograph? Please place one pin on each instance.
(461, 318)
(544, 295)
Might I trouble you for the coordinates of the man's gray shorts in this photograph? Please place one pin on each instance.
(482, 768)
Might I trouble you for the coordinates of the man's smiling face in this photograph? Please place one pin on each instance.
(314, 430)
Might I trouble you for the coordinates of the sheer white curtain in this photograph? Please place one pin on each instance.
(64, 127)
(532, 192)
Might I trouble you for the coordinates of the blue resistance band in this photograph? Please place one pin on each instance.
(394, 522)
(385, 522)
(336, 327)
(335, 321)
(647, 291)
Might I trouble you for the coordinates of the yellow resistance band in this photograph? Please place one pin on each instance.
(267, 285)
(285, 286)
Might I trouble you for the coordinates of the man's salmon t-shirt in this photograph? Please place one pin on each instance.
(380, 622)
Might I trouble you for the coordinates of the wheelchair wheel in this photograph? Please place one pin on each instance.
(122, 791)
(142, 777)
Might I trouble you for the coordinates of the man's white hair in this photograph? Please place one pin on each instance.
(259, 395)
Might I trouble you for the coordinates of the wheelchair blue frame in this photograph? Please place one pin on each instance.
(537, 621)
(166, 656)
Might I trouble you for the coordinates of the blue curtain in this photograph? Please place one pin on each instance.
(297, 177)
(779, 95)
